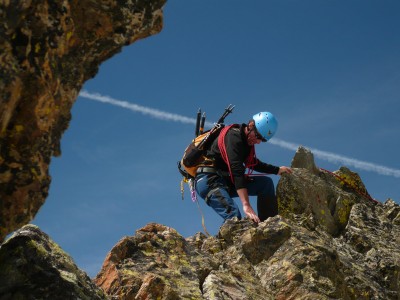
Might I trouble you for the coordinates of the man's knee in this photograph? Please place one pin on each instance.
(223, 204)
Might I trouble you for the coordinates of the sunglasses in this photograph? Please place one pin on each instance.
(258, 135)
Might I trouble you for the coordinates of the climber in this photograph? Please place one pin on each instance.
(232, 152)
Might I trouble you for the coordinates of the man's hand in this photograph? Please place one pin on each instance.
(283, 170)
(249, 211)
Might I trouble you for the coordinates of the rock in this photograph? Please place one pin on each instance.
(279, 259)
(304, 159)
(351, 181)
(48, 50)
(349, 251)
(324, 197)
(393, 212)
(374, 240)
(157, 263)
(34, 267)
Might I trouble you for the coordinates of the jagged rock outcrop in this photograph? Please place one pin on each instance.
(323, 197)
(48, 50)
(32, 266)
(331, 241)
(348, 252)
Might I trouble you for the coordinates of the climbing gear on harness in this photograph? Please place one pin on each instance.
(193, 195)
(266, 124)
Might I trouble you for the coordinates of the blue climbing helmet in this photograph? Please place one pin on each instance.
(266, 124)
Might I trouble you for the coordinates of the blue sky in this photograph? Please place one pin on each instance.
(328, 70)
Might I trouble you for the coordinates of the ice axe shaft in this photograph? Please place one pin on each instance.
(197, 130)
(203, 120)
(217, 125)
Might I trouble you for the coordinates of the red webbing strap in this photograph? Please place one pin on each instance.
(361, 193)
(222, 148)
(251, 160)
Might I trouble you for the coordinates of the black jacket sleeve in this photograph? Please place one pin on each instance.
(263, 167)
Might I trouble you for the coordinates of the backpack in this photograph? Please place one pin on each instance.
(194, 154)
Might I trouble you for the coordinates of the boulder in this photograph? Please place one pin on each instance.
(32, 266)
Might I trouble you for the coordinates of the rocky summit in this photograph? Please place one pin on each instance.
(331, 240)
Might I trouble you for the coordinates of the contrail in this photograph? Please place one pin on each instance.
(158, 114)
(336, 158)
(162, 115)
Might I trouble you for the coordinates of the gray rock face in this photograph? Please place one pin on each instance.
(304, 159)
(32, 266)
(331, 241)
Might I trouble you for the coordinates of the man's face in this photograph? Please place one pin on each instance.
(253, 137)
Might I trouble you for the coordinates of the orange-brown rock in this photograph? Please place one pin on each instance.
(48, 50)
(330, 241)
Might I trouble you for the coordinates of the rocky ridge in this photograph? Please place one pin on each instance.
(48, 50)
(330, 241)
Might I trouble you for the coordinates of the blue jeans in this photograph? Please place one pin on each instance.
(217, 194)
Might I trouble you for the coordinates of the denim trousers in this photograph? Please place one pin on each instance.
(216, 192)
